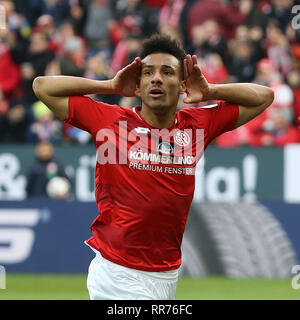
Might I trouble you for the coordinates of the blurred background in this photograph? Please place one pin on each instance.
(245, 218)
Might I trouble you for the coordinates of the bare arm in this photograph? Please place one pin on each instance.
(252, 98)
(54, 91)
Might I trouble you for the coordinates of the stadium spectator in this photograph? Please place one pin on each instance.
(133, 17)
(183, 23)
(242, 62)
(58, 9)
(272, 127)
(96, 29)
(16, 22)
(280, 11)
(45, 126)
(72, 134)
(45, 24)
(280, 131)
(63, 33)
(14, 124)
(170, 13)
(238, 138)
(97, 68)
(169, 19)
(227, 16)
(31, 9)
(167, 30)
(278, 48)
(253, 37)
(8, 84)
(39, 54)
(33, 63)
(257, 13)
(125, 51)
(213, 69)
(267, 74)
(43, 170)
(73, 63)
(256, 36)
(293, 79)
(207, 39)
(78, 15)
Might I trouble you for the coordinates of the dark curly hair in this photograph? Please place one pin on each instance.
(163, 44)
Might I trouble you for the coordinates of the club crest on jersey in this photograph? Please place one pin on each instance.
(182, 138)
(165, 147)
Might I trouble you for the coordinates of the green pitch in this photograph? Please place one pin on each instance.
(69, 287)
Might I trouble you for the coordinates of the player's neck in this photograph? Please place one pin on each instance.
(158, 118)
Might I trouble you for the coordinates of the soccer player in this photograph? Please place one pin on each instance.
(144, 195)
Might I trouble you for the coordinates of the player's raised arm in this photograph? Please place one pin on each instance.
(54, 91)
(252, 98)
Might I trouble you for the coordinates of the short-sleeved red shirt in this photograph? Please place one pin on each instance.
(144, 201)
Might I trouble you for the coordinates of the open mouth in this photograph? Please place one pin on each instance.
(156, 93)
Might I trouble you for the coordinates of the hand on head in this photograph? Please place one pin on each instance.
(197, 87)
(126, 80)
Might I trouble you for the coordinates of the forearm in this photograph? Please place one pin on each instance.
(245, 94)
(63, 86)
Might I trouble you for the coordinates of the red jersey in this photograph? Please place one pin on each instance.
(144, 198)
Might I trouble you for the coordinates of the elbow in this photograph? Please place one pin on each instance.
(37, 86)
(266, 98)
(269, 96)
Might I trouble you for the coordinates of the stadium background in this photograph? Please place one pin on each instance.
(242, 237)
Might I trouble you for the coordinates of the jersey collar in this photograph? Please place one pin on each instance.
(137, 109)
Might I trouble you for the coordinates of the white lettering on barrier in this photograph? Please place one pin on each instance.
(16, 233)
(296, 278)
(224, 184)
(12, 185)
(291, 173)
(83, 188)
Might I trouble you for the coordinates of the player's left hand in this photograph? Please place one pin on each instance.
(197, 87)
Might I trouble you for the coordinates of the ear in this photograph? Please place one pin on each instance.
(183, 86)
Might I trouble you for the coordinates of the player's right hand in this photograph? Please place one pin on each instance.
(126, 80)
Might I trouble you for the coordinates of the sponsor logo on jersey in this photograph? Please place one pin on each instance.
(165, 147)
(158, 158)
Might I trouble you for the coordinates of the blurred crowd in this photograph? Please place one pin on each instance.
(234, 40)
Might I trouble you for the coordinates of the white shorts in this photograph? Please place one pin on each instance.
(109, 281)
